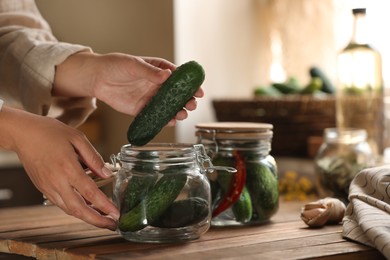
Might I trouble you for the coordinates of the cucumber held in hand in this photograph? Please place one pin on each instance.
(172, 96)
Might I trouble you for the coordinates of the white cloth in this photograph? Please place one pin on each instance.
(367, 218)
(29, 54)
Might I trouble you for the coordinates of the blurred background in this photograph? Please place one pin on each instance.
(136, 27)
(240, 44)
(237, 43)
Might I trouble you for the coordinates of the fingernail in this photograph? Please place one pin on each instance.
(170, 72)
(114, 216)
(107, 172)
(112, 227)
(165, 73)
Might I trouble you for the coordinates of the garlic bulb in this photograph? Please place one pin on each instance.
(323, 211)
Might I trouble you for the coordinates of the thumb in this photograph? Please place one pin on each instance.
(92, 159)
(154, 74)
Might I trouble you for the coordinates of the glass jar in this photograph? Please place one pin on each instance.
(162, 192)
(341, 156)
(251, 196)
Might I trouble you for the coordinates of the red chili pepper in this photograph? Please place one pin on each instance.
(236, 185)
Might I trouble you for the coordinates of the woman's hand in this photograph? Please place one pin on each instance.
(122, 81)
(50, 152)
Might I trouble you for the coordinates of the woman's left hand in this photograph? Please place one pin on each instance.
(124, 82)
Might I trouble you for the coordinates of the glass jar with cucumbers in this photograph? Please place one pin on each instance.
(251, 195)
(162, 192)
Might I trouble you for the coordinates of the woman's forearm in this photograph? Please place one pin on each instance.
(74, 77)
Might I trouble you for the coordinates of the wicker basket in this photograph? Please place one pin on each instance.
(295, 118)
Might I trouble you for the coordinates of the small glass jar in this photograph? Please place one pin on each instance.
(340, 157)
(162, 192)
(251, 196)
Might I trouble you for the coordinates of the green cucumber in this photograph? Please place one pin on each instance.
(314, 85)
(136, 190)
(268, 91)
(291, 86)
(171, 97)
(184, 213)
(215, 190)
(142, 180)
(155, 203)
(327, 85)
(264, 190)
(242, 208)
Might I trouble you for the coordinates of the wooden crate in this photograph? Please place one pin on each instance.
(295, 118)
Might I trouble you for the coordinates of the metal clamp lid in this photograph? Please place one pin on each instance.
(205, 163)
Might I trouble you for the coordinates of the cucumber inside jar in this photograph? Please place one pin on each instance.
(162, 202)
(263, 187)
(153, 205)
(259, 198)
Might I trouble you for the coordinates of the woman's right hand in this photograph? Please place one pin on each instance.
(50, 152)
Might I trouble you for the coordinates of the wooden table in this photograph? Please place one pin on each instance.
(45, 232)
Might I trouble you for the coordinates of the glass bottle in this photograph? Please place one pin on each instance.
(341, 156)
(253, 193)
(359, 102)
(162, 192)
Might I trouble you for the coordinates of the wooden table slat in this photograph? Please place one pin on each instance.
(38, 223)
(17, 214)
(58, 230)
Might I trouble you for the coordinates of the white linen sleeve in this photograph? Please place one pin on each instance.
(29, 54)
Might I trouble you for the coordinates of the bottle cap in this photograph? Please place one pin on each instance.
(359, 11)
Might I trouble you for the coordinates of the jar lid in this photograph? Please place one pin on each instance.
(345, 135)
(234, 130)
(359, 11)
(156, 151)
